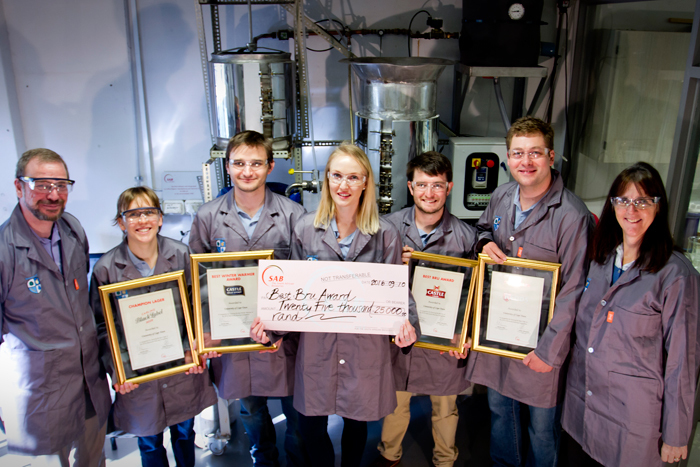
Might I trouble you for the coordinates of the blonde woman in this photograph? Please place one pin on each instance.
(345, 374)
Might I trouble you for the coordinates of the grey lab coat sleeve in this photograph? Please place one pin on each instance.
(553, 347)
(105, 350)
(679, 320)
(6, 278)
(198, 235)
(392, 255)
(484, 229)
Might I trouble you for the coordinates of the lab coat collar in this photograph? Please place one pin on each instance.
(166, 260)
(442, 229)
(551, 199)
(24, 237)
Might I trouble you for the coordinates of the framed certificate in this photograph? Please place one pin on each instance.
(225, 299)
(149, 327)
(443, 288)
(514, 303)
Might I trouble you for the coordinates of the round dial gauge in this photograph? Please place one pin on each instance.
(516, 11)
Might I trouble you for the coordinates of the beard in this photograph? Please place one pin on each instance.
(429, 211)
(47, 217)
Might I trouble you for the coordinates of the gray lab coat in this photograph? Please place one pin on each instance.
(158, 404)
(45, 337)
(346, 374)
(556, 231)
(244, 374)
(426, 371)
(640, 369)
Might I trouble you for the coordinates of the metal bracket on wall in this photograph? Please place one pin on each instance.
(205, 62)
(300, 17)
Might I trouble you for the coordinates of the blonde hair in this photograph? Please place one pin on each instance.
(367, 218)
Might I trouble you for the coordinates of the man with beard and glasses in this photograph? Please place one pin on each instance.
(428, 227)
(54, 398)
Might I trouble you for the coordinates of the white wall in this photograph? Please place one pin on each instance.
(67, 84)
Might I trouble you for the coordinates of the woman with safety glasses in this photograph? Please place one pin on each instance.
(345, 374)
(145, 410)
(630, 389)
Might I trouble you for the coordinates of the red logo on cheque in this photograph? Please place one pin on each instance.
(273, 275)
(435, 292)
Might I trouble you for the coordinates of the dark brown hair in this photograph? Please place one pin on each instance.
(657, 244)
(251, 139)
(432, 163)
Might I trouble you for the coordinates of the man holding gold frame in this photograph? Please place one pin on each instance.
(535, 218)
(252, 217)
(428, 227)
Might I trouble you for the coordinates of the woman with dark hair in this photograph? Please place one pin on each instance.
(630, 389)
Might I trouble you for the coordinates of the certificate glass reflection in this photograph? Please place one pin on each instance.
(225, 299)
(149, 327)
(513, 305)
(443, 288)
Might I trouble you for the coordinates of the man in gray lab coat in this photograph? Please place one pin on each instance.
(54, 397)
(536, 218)
(252, 217)
(428, 227)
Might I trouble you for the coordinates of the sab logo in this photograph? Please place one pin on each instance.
(168, 178)
(272, 275)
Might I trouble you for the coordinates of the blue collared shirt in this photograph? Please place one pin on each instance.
(248, 222)
(424, 237)
(345, 243)
(521, 215)
(618, 267)
(52, 246)
(141, 266)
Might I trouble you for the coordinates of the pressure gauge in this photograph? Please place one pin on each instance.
(516, 11)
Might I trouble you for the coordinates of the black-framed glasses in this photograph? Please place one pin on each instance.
(45, 186)
(134, 215)
(639, 203)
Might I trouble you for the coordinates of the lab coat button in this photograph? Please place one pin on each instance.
(512, 239)
(603, 302)
(165, 386)
(81, 329)
(590, 349)
(589, 393)
(342, 362)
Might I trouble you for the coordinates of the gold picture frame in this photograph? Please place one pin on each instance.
(113, 326)
(482, 339)
(448, 263)
(198, 261)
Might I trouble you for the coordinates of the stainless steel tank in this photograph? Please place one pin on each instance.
(253, 91)
(396, 118)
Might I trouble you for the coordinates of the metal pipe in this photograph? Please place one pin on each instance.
(251, 44)
(293, 187)
(501, 104)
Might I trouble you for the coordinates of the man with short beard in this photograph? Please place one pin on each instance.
(54, 398)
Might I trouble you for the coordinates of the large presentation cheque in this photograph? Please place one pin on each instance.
(332, 296)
